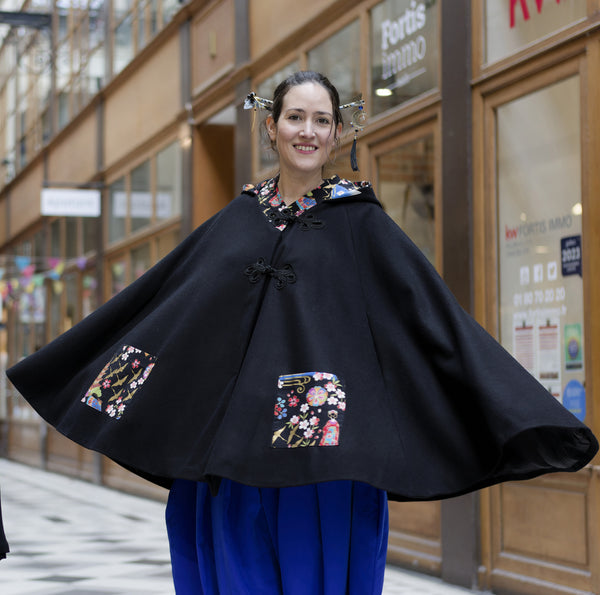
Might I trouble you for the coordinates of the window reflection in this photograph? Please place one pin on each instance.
(404, 52)
(117, 211)
(118, 282)
(340, 57)
(406, 190)
(141, 197)
(123, 51)
(90, 234)
(538, 180)
(71, 281)
(140, 261)
(168, 182)
(510, 26)
(71, 244)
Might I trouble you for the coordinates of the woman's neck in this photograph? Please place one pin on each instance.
(291, 189)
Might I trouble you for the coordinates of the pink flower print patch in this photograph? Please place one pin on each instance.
(119, 381)
(309, 410)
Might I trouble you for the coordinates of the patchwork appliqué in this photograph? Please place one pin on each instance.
(309, 410)
(119, 380)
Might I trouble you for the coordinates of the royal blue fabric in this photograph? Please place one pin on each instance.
(322, 539)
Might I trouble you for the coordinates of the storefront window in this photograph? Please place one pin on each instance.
(118, 270)
(63, 66)
(268, 157)
(71, 282)
(71, 243)
(121, 8)
(169, 8)
(89, 294)
(140, 261)
(123, 48)
(141, 25)
(510, 25)
(168, 182)
(406, 190)
(153, 7)
(96, 23)
(339, 57)
(117, 210)
(404, 51)
(90, 234)
(96, 70)
(55, 294)
(55, 243)
(63, 109)
(539, 234)
(140, 208)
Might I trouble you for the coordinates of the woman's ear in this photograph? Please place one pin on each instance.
(271, 128)
(338, 131)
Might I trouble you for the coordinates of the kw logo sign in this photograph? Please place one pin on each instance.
(511, 232)
(524, 8)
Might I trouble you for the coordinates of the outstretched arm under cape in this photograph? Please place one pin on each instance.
(474, 413)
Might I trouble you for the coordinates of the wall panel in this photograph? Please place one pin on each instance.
(25, 200)
(73, 160)
(271, 22)
(144, 104)
(213, 44)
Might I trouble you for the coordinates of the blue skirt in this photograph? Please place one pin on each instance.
(322, 539)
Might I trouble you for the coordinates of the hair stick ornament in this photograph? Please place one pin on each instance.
(358, 123)
(254, 102)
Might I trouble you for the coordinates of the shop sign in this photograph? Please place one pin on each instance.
(404, 49)
(140, 204)
(70, 202)
(510, 25)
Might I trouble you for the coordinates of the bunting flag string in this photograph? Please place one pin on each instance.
(23, 275)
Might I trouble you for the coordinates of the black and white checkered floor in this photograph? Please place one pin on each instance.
(71, 537)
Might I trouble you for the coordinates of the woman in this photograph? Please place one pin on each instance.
(321, 538)
(290, 363)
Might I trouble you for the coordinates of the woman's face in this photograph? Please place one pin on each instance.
(305, 133)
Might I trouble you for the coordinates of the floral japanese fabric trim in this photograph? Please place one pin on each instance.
(119, 380)
(309, 410)
(272, 204)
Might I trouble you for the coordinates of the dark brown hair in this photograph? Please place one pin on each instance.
(299, 78)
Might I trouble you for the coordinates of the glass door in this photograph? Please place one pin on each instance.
(405, 174)
(531, 280)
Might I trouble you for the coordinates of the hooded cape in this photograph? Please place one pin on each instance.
(285, 347)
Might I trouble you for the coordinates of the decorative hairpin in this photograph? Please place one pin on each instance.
(253, 101)
(358, 123)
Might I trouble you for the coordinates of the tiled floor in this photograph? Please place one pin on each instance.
(72, 537)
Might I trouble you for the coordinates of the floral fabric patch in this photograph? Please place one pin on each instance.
(119, 380)
(309, 410)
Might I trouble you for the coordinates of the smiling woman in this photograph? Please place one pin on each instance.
(335, 371)
(304, 125)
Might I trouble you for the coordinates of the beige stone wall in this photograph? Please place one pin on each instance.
(144, 104)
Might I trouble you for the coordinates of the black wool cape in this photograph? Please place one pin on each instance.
(329, 350)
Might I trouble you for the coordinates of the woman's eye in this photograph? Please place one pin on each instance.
(293, 117)
(323, 121)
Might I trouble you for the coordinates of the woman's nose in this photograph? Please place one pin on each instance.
(307, 130)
